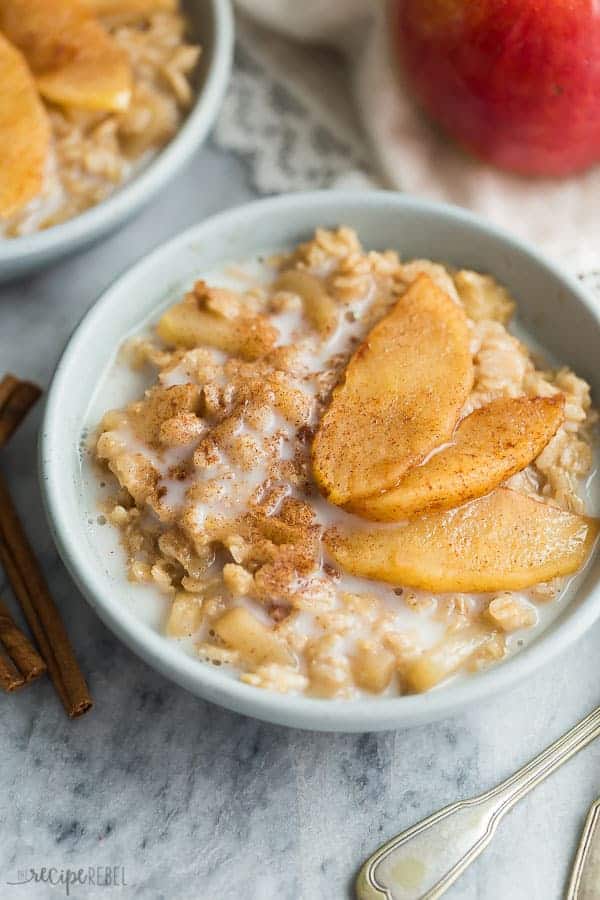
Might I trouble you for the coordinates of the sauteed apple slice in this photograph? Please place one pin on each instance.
(400, 396)
(130, 7)
(489, 446)
(24, 132)
(504, 541)
(192, 323)
(74, 59)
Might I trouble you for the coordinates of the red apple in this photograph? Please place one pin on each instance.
(517, 82)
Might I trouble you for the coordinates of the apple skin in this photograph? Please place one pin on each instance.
(516, 82)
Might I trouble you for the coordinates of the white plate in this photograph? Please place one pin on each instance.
(552, 307)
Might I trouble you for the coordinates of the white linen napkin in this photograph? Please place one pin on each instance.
(560, 217)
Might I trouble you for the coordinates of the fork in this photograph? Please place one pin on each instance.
(585, 877)
(424, 861)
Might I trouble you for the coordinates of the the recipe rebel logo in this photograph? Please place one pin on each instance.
(68, 879)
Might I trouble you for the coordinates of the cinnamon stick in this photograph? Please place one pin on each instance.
(10, 677)
(16, 399)
(22, 569)
(22, 653)
(40, 611)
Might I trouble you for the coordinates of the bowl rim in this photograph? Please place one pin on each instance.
(364, 714)
(133, 194)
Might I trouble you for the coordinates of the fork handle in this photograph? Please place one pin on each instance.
(585, 877)
(425, 860)
(530, 775)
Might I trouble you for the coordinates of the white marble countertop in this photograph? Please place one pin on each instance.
(196, 802)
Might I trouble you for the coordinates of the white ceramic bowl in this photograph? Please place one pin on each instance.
(212, 24)
(553, 307)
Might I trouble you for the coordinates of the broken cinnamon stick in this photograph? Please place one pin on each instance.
(16, 399)
(22, 653)
(10, 677)
(40, 611)
(22, 569)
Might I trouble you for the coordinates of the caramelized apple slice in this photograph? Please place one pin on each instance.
(74, 59)
(24, 132)
(400, 396)
(187, 325)
(489, 446)
(504, 541)
(129, 8)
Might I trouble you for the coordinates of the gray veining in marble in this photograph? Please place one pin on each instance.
(200, 804)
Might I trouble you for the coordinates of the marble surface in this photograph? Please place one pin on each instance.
(195, 802)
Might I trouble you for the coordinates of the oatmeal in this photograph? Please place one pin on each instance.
(294, 543)
(99, 126)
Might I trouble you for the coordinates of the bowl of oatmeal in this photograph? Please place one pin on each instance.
(329, 459)
(113, 97)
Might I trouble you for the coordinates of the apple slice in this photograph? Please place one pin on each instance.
(504, 541)
(24, 132)
(400, 397)
(489, 446)
(74, 59)
(187, 325)
(127, 8)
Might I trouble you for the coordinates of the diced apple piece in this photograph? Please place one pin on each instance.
(372, 666)
(74, 59)
(186, 325)
(452, 653)
(400, 397)
(504, 541)
(256, 643)
(489, 446)
(319, 306)
(24, 132)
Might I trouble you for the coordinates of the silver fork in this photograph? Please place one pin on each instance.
(585, 877)
(425, 860)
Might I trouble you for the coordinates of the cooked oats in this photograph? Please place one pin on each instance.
(217, 504)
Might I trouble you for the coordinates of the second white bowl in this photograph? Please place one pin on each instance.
(212, 22)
